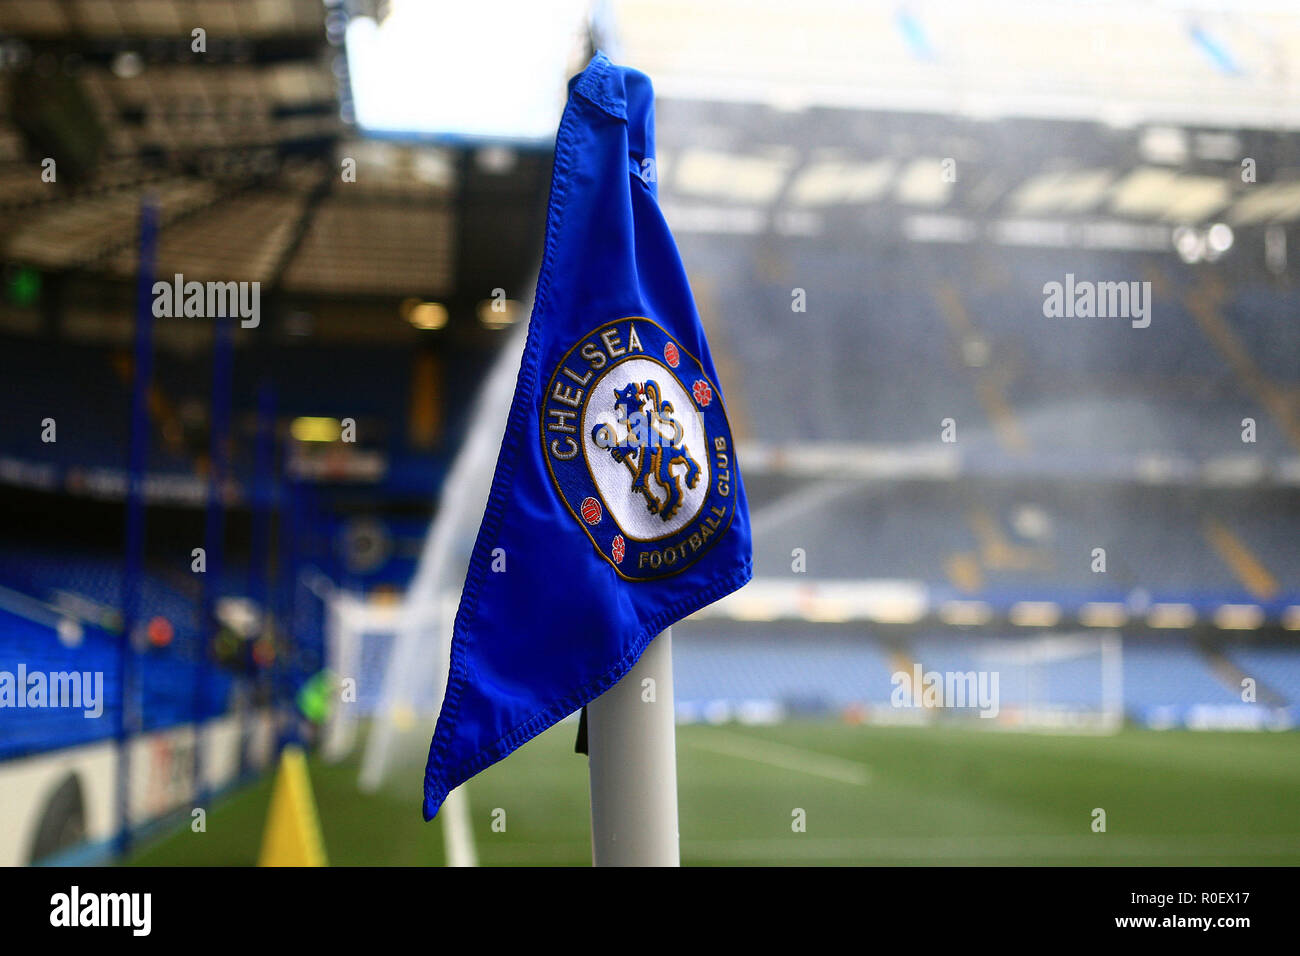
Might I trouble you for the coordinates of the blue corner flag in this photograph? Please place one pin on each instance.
(617, 506)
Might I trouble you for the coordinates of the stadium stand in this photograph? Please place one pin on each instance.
(858, 302)
(40, 647)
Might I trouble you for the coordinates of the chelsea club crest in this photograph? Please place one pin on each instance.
(637, 443)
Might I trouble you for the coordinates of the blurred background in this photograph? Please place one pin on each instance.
(253, 525)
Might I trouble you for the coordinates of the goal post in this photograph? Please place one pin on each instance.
(1066, 682)
(359, 638)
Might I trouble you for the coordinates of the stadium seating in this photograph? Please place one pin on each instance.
(799, 670)
(1275, 667)
(37, 647)
(88, 588)
(729, 668)
(890, 346)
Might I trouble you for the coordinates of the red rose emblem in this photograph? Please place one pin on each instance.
(618, 548)
(703, 394)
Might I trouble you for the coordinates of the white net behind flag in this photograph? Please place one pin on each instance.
(1058, 681)
(415, 672)
(359, 637)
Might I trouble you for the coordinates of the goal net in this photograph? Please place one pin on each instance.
(359, 636)
(1058, 681)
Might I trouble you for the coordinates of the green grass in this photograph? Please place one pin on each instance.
(871, 795)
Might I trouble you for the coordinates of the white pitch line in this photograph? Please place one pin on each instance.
(779, 755)
(1093, 847)
(951, 850)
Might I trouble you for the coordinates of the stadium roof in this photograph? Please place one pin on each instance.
(1127, 63)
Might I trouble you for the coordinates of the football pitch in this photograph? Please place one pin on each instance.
(864, 795)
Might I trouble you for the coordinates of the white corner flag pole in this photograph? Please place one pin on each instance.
(632, 754)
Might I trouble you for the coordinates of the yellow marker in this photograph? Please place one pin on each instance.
(903, 664)
(996, 552)
(988, 384)
(1249, 569)
(963, 570)
(1204, 306)
(292, 836)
